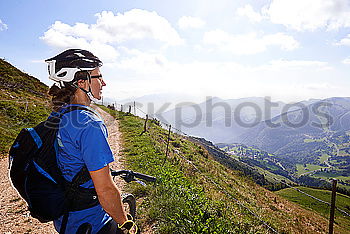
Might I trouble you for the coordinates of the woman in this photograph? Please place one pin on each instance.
(82, 143)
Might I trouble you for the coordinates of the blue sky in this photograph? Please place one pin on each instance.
(289, 50)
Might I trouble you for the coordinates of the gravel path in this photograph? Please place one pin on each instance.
(14, 217)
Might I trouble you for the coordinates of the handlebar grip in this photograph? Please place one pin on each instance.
(119, 172)
(145, 177)
(133, 174)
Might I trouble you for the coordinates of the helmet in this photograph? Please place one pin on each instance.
(63, 67)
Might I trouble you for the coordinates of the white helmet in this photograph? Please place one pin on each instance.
(63, 67)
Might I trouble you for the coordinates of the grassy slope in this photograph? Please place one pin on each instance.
(23, 103)
(195, 194)
(342, 202)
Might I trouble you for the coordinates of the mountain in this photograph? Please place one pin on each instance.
(312, 142)
(291, 131)
(220, 120)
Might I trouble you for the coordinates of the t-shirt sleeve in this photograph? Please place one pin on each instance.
(95, 149)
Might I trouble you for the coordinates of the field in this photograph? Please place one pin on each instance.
(324, 158)
(309, 168)
(342, 202)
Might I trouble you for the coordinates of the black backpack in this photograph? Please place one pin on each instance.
(35, 174)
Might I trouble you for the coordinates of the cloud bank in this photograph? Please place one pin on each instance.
(189, 22)
(110, 30)
(249, 43)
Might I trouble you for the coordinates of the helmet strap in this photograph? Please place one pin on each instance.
(87, 92)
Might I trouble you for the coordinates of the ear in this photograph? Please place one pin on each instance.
(81, 83)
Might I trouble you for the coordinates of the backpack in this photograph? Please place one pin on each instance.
(36, 176)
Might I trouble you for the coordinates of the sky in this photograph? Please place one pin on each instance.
(289, 50)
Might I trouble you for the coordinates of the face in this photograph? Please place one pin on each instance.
(97, 84)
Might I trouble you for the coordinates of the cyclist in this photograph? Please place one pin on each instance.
(82, 143)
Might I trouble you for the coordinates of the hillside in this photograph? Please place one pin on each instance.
(197, 194)
(23, 103)
(266, 163)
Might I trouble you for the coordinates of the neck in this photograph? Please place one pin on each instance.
(81, 98)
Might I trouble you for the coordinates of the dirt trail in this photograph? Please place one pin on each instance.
(14, 217)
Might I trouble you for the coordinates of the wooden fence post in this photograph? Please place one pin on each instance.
(331, 216)
(144, 126)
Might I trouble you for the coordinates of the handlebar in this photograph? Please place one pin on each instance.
(129, 175)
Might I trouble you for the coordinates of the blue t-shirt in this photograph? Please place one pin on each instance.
(82, 140)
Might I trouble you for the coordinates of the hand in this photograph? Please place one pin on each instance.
(129, 227)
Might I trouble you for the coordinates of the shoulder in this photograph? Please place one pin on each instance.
(84, 116)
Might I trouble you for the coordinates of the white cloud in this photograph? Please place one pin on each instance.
(248, 43)
(141, 63)
(283, 79)
(188, 22)
(136, 24)
(249, 12)
(346, 61)
(3, 26)
(295, 65)
(309, 14)
(344, 42)
(109, 29)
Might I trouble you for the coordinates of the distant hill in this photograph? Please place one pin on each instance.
(23, 103)
(317, 145)
(220, 120)
(322, 118)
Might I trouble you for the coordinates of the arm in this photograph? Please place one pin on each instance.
(108, 194)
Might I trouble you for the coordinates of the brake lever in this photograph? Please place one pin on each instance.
(128, 177)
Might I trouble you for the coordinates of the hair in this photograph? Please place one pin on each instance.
(61, 96)
(64, 95)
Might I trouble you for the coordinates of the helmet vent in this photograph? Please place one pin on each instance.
(62, 74)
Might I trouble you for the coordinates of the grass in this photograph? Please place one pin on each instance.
(23, 103)
(16, 115)
(309, 167)
(323, 158)
(273, 177)
(313, 140)
(195, 194)
(342, 202)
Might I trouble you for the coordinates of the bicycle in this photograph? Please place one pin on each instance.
(128, 199)
(129, 176)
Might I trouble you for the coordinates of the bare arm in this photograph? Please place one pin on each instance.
(108, 194)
